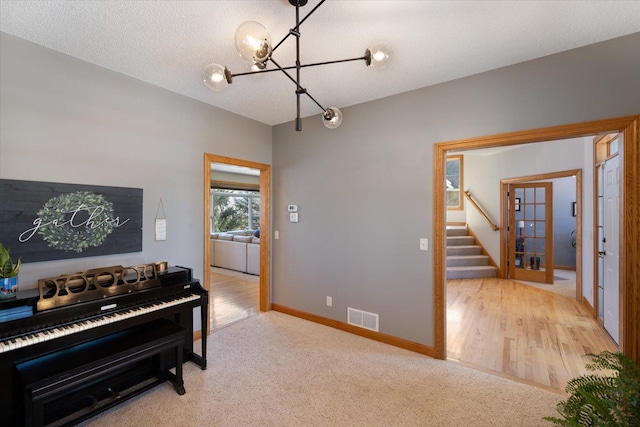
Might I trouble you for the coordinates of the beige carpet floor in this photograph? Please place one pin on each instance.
(276, 370)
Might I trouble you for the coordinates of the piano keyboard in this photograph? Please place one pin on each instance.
(42, 335)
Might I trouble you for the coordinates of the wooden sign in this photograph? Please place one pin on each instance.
(43, 221)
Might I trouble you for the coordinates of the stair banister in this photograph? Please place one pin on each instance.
(493, 226)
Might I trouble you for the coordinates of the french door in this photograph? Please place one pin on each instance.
(531, 232)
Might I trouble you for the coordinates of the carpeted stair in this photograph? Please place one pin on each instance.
(464, 257)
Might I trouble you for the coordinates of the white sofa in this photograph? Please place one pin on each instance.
(236, 250)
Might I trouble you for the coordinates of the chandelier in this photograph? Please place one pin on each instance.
(253, 43)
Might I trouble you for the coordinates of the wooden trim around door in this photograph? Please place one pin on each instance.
(265, 223)
(630, 218)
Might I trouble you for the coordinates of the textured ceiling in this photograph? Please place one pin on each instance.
(168, 43)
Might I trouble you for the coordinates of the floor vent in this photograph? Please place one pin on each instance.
(362, 319)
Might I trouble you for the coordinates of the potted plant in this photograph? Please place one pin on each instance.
(603, 400)
(8, 273)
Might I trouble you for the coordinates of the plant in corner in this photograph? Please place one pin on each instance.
(8, 273)
(603, 400)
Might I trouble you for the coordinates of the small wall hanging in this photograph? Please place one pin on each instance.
(161, 223)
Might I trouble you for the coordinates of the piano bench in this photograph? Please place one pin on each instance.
(76, 383)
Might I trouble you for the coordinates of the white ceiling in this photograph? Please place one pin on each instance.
(168, 43)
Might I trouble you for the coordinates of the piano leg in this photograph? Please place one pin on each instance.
(204, 321)
(178, 382)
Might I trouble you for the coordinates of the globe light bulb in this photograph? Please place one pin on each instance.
(256, 66)
(380, 56)
(216, 77)
(253, 42)
(332, 117)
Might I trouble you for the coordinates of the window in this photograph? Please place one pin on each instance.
(607, 146)
(454, 182)
(234, 210)
(613, 147)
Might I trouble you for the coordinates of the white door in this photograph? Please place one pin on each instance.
(611, 246)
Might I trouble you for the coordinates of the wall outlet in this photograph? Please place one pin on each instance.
(329, 301)
(424, 244)
(276, 235)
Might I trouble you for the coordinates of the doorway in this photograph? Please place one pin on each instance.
(610, 215)
(565, 217)
(609, 160)
(265, 222)
(629, 229)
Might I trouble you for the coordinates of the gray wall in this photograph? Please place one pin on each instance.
(65, 120)
(365, 190)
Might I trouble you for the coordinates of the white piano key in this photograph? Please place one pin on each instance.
(34, 337)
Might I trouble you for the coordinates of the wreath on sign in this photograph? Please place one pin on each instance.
(76, 221)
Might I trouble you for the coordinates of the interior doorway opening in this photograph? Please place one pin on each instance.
(567, 219)
(629, 280)
(264, 222)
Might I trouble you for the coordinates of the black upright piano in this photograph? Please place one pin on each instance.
(82, 343)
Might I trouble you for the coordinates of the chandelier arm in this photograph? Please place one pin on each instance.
(361, 58)
(295, 29)
(314, 100)
(300, 89)
(301, 66)
(287, 74)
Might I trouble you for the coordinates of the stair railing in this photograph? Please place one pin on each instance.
(481, 211)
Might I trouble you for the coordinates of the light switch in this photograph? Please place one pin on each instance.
(293, 217)
(424, 244)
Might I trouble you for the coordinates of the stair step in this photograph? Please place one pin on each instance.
(467, 261)
(463, 250)
(471, 272)
(460, 240)
(457, 230)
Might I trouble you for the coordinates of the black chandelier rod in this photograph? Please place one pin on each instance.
(296, 30)
(300, 89)
(301, 66)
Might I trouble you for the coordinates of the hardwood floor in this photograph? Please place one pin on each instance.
(233, 297)
(521, 332)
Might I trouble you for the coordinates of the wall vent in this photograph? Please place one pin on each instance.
(363, 319)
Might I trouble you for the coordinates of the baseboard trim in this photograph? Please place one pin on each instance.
(377, 336)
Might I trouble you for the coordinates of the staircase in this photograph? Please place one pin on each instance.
(464, 257)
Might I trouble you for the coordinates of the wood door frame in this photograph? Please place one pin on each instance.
(504, 235)
(265, 222)
(629, 221)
